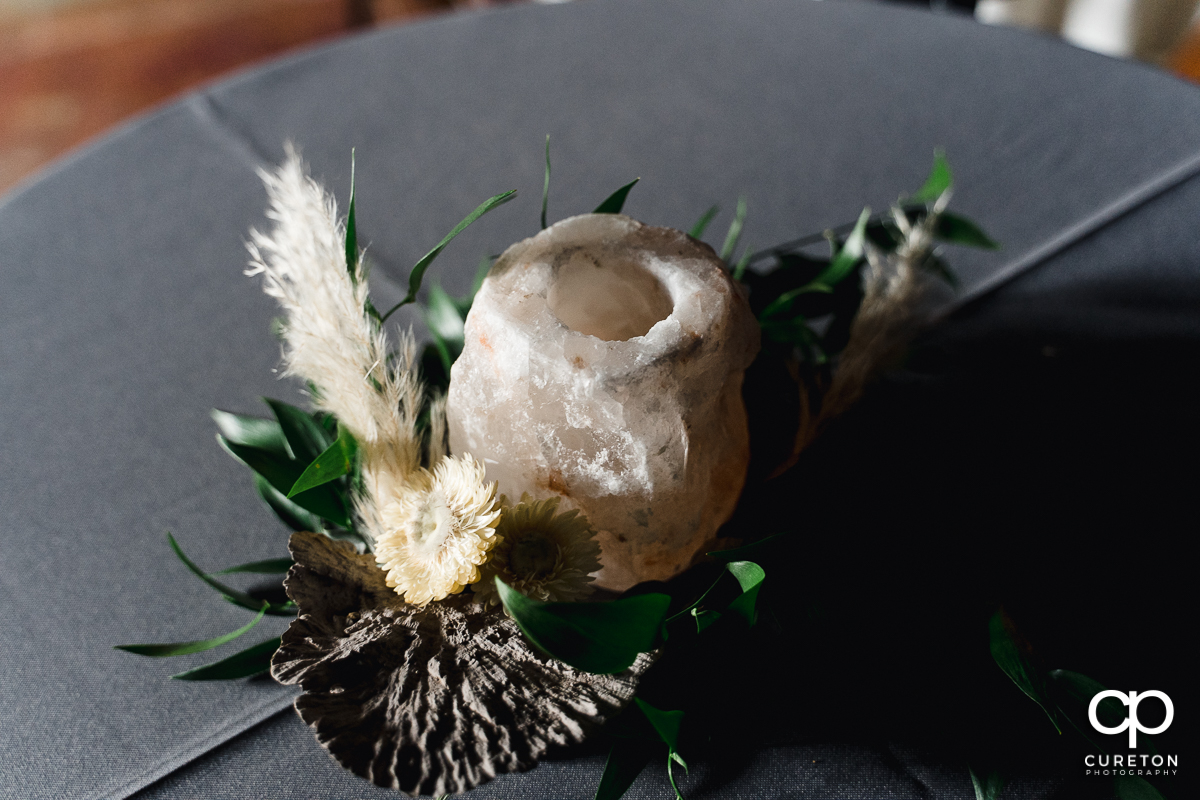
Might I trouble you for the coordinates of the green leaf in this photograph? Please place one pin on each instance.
(954, 229)
(704, 619)
(626, 761)
(336, 461)
(305, 436)
(793, 331)
(270, 566)
(666, 724)
(1013, 655)
(445, 357)
(351, 230)
(616, 201)
(232, 595)
(940, 179)
(443, 317)
(849, 255)
(256, 432)
(1073, 695)
(327, 421)
(546, 183)
(282, 474)
(371, 310)
(702, 224)
(184, 648)
(673, 758)
(433, 370)
(783, 304)
(292, 515)
(251, 661)
(481, 272)
(694, 606)
(284, 609)
(739, 269)
(594, 637)
(445, 320)
(1073, 689)
(735, 230)
(986, 789)
(750, 577)
(796, 333)
(418, 270)
(1130, 787)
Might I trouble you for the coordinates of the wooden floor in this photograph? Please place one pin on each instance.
(1185, 61)
(67, 76)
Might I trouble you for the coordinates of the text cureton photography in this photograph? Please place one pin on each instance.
(1152, 763)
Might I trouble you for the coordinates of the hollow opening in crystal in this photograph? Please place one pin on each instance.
(614, 300)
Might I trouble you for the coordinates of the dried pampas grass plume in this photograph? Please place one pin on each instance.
(329, 338)
(893, 311)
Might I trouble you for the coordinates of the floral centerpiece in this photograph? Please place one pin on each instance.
(501, 538)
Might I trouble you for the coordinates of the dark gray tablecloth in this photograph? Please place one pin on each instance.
(124, 316)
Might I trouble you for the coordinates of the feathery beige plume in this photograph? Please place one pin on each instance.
(892, 312)
(330, 340)
(438, 446)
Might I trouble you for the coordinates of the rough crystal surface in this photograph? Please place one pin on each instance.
(603, 364)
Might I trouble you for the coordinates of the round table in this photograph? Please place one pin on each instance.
(1044, 433)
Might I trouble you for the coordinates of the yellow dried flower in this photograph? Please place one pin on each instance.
(542, 554)
(438, 531)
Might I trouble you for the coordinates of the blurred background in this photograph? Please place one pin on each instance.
(70, 69)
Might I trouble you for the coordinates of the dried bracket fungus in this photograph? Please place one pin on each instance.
(603, 363)
(432, 700)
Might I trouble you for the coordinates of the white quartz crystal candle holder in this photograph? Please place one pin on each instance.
(603, 364)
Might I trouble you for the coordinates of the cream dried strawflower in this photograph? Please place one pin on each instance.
(438, 530)
(542, 554)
